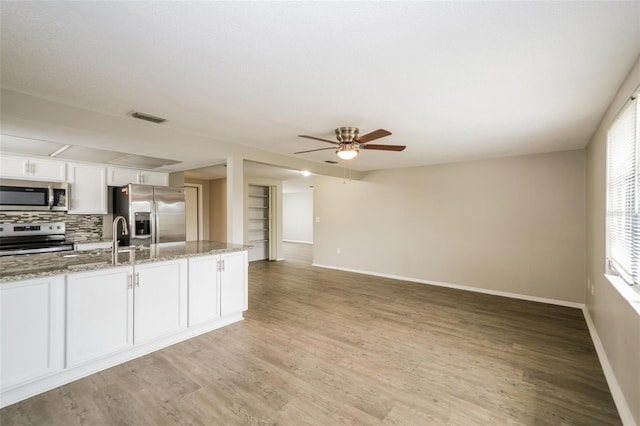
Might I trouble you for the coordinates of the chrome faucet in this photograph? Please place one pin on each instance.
(116, 241)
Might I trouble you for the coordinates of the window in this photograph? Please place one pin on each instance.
(623, 201)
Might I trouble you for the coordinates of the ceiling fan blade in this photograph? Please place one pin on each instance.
(312, 150)
(376, 134)
(385, 147)
(318, 139)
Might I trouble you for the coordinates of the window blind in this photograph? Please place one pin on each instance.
(623, 182)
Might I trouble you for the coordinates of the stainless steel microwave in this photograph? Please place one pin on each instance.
(28, 195)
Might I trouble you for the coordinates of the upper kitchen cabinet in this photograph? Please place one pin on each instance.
(88, 189)
(121, 176)
(32, 168)
(154, 178)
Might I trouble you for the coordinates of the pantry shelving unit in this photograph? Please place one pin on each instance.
(259, 222)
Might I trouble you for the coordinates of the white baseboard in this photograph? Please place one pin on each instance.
(297, 242)
(616, 392)
(463, 287)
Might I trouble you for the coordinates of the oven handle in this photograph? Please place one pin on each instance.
(50, 197)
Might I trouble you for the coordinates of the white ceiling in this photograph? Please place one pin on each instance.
(452, 80)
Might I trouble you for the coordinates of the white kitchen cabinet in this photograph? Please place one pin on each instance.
(111, 309)
(217, 286)
(88, 189)
(15, 167)
(204, 289)
(154, 178)
(99, 314)
(233, 283)
(120, 176)
(160, 299)
(31, 330)
(58, 329)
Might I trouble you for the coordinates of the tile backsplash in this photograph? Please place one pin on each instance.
(79, 227)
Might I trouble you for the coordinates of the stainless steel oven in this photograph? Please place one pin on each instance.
(28, 238)
(27, 195)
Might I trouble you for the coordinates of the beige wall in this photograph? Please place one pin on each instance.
(510, 225)
(205, 203)
(616, 322)
(218, 210)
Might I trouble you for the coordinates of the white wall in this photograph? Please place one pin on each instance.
(616, 322)
(508, 225)
(297, 208)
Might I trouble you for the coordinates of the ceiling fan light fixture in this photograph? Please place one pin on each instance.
(347, 152)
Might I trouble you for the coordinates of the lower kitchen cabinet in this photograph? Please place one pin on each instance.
(204, 289)
(57, 329)
(217, 286)
(234, 283)
(99, 314)
(111, 309)
(31, 330)
(160, 299)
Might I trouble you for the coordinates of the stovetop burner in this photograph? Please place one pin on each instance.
(27, 238)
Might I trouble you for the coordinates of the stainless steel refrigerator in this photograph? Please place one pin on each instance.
(154, 214)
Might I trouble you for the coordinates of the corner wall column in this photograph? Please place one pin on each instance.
(235, 200)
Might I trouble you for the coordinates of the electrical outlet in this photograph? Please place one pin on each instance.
(338, 250)
(593, 291)
(317, 219)
(588, 283)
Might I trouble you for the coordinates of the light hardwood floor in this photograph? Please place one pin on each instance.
(324, 347)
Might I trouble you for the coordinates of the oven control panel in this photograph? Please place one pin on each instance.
(24, 229)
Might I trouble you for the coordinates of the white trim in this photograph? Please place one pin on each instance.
(630, 293)
(463, 287)
(618, 397)
(297, 242)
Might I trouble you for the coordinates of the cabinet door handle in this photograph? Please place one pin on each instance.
(137, 279)
(223, 265)
(130, 280)
(33, 168)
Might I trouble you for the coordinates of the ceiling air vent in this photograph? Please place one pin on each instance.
(147, 117)
(330, 162)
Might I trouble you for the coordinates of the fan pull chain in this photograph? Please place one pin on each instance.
(344, 171)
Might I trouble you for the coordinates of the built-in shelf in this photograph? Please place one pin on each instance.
(259, 205)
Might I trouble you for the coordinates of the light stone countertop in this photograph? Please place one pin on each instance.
(20, 267)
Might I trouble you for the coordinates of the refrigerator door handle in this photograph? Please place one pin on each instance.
(156, 224)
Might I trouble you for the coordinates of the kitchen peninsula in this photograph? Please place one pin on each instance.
(70, 314)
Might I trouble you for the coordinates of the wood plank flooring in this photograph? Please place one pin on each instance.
(325, 347)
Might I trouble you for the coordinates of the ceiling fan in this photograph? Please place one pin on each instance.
(350, 144)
